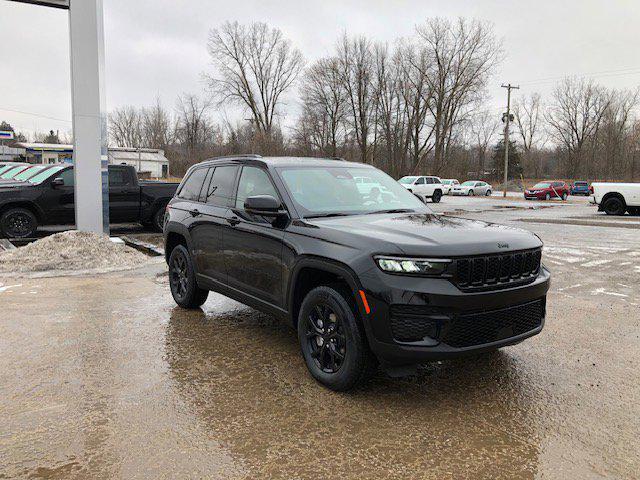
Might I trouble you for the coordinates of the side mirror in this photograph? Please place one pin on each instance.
(57, 182)
(264, 205)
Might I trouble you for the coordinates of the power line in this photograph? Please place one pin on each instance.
(603, 73)
(35, 115)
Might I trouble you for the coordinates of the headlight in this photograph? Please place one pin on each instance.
(418, 266)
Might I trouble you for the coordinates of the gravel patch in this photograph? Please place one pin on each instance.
(71, 250)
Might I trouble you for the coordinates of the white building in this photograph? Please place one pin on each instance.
(148, 162)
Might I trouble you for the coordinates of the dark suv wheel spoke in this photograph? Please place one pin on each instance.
(326, 339)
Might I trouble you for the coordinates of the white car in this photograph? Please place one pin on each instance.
(616, 198)
(472, 187)
(424, 187)
(448, 184)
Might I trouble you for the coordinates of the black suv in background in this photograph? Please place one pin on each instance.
(366, 277)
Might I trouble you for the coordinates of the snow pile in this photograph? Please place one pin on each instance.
(71, 250)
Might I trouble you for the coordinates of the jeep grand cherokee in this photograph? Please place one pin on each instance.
(366, 277)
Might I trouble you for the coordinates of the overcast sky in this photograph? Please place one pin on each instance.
(158, 47)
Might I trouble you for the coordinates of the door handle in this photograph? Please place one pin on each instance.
(233, 221)
(195, 212)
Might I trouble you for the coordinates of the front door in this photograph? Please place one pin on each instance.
(252, 245)
(124, 195)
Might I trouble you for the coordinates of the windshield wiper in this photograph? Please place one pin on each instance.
(394, 210)
(330, 214)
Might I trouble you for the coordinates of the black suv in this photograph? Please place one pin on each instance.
(367, 276)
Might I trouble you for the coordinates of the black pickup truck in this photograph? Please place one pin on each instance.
(48, 199)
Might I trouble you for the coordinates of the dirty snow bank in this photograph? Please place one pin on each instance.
(71, 250)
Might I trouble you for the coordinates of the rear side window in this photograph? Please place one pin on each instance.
(220, 188)
(118, 177)
(254, 181)
(192, 185)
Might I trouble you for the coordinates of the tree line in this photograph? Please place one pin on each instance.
(416, 105)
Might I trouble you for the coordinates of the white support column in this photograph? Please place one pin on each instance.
(90, 155)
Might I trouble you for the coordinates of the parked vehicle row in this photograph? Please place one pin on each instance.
(434, 188)
(366, 278)
(45, 196)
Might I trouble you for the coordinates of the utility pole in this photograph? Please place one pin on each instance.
(507, 119)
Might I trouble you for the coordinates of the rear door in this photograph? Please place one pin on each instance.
(124, 195)
(252, 245)
(210, 224)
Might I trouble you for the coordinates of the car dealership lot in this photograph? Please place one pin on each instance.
(103, 376)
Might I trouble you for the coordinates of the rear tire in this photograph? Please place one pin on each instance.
(182, 280)
(614, 206)
(488, 194)
(18, 223)
(333, 342)
(564, 197)
(157, 221)
(436, 197)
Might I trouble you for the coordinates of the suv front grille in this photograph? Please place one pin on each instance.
(496, 271)
(486, 327)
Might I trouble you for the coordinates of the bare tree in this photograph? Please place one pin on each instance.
(255, 66)
(528, 120)
(324, 105)
(575, 118)
(460, 57)
(194, 130)
(157, 128)
(483, 128)
(356, 67)
(125, 127)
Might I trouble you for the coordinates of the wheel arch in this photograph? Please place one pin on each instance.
(176, 235)
(32, 207)
(310, 272)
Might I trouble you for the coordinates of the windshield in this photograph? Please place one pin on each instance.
(45, 174)
(447, 182)
(13, 171)
(468, 184)
(542, 185)
(320, 191)
(407, 180)
(29, 172)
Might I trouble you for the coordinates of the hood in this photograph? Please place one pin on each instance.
(426, 234)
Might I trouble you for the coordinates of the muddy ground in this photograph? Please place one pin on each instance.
(103, 377)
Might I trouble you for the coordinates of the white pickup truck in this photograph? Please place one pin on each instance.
(616, 198)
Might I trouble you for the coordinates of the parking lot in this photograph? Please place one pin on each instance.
(102, 375)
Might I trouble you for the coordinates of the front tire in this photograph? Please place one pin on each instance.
(470, 193)
(547, 197)
(182, 280)
(333, 342)
(564, 197)
(18, 223)
(436, 197)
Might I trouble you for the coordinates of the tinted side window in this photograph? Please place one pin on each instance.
(254, 181)
(421, 181)
(118, 177)
(220, 189)
(67, 176)
(191, 188)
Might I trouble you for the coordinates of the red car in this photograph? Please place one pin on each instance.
(547, 191)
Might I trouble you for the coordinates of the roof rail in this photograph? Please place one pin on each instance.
(239, 155)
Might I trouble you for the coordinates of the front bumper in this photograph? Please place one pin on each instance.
(456, 323)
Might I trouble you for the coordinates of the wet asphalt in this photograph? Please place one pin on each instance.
(103, 377)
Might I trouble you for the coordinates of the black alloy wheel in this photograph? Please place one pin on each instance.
(18, 223)
(182, 280)
(332, 339)
(326, 339)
